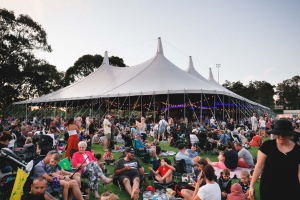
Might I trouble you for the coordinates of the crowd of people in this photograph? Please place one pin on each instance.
(228, 138)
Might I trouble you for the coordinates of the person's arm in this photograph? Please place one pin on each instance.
(48, 196)
(154, 172)
(120, 171)
(197, 186)
(261, 159)
(141, 170)
(65, 172)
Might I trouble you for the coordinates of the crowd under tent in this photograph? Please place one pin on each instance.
(154, 87)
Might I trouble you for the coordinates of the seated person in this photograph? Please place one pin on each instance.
(38, 190)
(188, 161)
(108, 157)
(236, 193)
(28, 142)
(256, 141)
(96, 138)
(231, 157)
(87, 138)
(151, 150)
(129, 171)
(223, 140)
(225, 183)
(188, 192)
(40, 170)
(247, 144)
(164, 173)
(4, 140)
(90, 167)
(245, 157)
(211, 189)
(193, 154)
(54, 170)
(220, 164)
(245, 182)
(193, 138)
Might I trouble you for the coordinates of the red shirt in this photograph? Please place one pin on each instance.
(163, 170)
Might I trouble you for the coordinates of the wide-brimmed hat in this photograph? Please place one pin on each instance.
(282, 127)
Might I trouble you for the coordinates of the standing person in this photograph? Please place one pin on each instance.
(279, 162)
(143, 128)
(78, 121)
(107, 131)
(212, 122)
(262, 126)
(170, 121)
(254, 122)
(162, 128)
(73, 140)
(87, 122)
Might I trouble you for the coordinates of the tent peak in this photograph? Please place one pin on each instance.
(191, 65)
(211, 77)
(105, 59)
(159, 47)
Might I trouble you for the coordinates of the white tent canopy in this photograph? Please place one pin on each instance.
(155, 76)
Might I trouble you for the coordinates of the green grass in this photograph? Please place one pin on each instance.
(124, 196)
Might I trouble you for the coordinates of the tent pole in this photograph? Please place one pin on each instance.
(129, 110)
(201, 107)
(168, 104)
(154, 109)
(229, 109)
(66, 110)
(215, 106)
(118, 109)
(141, 104)
(184, 107)
(223, 106)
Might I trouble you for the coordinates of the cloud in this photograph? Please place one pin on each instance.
(249, 78)
(268, 70)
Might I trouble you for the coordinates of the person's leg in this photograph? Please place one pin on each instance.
(105, 143)
(243, 164)
(187, 194)
(158, 178)
(135, 188)
(169, 177)
(77, 179)
(65, 184)
(126, 183)
(196, 159)
(75, 190)
(158, 135)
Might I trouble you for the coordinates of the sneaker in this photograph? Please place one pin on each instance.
(107, 172)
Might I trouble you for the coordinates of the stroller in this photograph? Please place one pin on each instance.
(27, 154)
(235, 137)
(7, 180)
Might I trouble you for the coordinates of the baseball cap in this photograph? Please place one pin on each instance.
(138, 134)
(128, 149)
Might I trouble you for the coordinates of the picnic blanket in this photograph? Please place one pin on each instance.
(118, 151)
(233, 173)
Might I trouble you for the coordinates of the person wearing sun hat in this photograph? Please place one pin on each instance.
(279, 162)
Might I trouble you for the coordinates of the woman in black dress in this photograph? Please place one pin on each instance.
(280, 162)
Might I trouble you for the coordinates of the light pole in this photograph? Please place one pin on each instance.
(218, 66)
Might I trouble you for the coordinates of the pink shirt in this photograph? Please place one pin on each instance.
(220, 165)
(78, 159)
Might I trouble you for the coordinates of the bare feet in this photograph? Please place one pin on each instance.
(135, 194)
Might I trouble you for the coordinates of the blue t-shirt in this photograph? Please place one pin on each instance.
(191, 154)
(188, 161)
(138, 145)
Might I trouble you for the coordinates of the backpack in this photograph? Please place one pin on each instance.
(45, 142)
(182, 185)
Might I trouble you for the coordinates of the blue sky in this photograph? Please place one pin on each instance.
(252, 40)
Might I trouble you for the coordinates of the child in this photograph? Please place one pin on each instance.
(28, 142)
(225, 183)
(245, 182)
(247, 144)
(108, 157)
(236, 193)
(87, 138)
(53, 169)
(220, 164)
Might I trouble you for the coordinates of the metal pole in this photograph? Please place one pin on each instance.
(218, 66)
(141, 105)
(223, 106)
(201, 108)
(129, 110)
(154, 108)
(26, 111)
(184, 107)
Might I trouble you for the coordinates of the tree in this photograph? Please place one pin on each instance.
(86, 65)
(19, 38)
(288, 93)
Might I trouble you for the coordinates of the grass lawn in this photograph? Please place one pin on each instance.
(124, 196)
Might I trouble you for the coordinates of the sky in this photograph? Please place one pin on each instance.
(252, 40)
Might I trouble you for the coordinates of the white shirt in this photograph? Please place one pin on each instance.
(212, 121)
(262, 123)
(253, 120)
(107, 129)
(194, 139)
(210, 192)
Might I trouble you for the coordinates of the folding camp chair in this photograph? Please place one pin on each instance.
(145, 157)
(180, 167)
